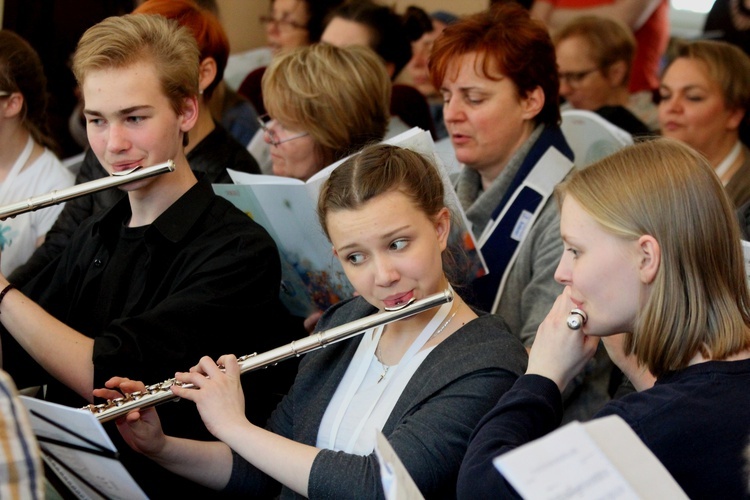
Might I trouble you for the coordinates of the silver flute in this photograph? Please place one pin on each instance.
(61, 195)
(160, 393)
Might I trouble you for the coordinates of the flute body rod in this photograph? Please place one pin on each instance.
(61, 195)
(159, 393)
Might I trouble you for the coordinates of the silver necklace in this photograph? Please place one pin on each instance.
(388, 367)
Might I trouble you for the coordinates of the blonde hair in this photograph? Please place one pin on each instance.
(120, 41)
(727, 65)
(698, 302)
(340, 96)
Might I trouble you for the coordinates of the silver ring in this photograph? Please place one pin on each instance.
(576, 319)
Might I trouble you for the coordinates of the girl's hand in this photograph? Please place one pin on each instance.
(217, 393)
(141, 429)
(558, 352)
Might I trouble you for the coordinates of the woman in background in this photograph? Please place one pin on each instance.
(704, 98)
(502, 113)
(290, 24)
(652, 250)
(417, 70)
(594, 59)
(316, 117)
(28, 164)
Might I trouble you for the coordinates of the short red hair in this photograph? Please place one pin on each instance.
(508, 42)
(203, 24)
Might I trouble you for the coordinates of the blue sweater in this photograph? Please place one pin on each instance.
(696, 421)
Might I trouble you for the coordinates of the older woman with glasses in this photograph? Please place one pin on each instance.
(315, 116)
(594, 59)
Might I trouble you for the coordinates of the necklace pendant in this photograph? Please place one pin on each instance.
(382, 375)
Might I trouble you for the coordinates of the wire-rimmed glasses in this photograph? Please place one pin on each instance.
(266, 124)
(282, 24)
(574, 78)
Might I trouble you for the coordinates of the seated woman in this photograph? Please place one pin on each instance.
(594, 59)
(502, 114)
(317, 117)
(651, 249)
(704, 101)
(28, 164)
(424, 381)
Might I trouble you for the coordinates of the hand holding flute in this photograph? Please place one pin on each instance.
(141, 428)
(221, 402)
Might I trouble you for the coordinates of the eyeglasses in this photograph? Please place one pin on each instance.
(574, 78)
(4, 93)
(282, 24)
(265, 122)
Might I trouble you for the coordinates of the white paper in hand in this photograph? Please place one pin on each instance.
(397, 483)
(602, 458)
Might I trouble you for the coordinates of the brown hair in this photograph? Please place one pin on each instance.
(728, 66)
(376, 170)
(340, 96)
(609, 40)
(21, 71)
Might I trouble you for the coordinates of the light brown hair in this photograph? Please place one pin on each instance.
(609, 40)
(340, 96)
(698, 301)
(119, 41)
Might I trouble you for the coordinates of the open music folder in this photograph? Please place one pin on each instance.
(77, 448)
(601, 458)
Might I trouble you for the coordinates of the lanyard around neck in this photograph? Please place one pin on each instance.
(372, 338)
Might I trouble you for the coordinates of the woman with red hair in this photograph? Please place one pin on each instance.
(497, 73)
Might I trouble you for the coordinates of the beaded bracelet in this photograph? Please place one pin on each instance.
(5, 290)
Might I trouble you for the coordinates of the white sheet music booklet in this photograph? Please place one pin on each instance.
(77, 448)
(602, 458)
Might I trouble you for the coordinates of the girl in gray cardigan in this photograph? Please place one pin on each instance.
(424, 381)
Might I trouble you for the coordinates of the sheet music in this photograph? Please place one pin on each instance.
(602, 458)
(397, 483)
(75, 445)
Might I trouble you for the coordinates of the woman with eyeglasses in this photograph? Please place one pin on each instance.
(295, 23)
(28, 164)
(704, 98)
(324, 103)
(594, 59)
